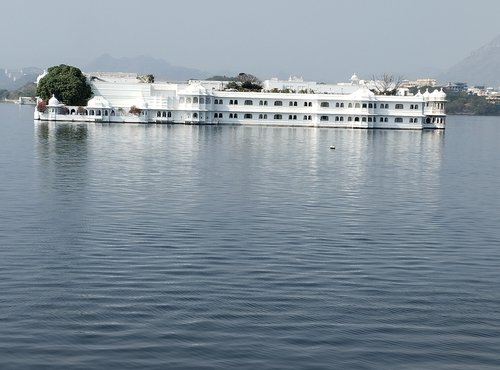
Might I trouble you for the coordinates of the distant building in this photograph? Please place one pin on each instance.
(456, 86)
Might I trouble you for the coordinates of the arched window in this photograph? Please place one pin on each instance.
(195, 115)
(324, 104)
(411, 107)
(247, 116)
(399, 106)
(158, 114)
(265, 115)
(381, 119)
(310, 104)
(261, 102)
(356, 119)
(305, 104)
(289, 116)
(415, 120)
(363, 119)
(236, 102)
(290, 104)
(248, 102)
(370, 105)
(265, 102)
(350, 105)
(357, 105)
(337, 105)
(220, 115)
(188, 100)
(324, 118)
(341, 105)
(216, 115)
(207, 100)
(386, 119)
(349, 119)
(278, 116)
(278, 103)
(202, 101)
(169, 114)
(341, 118)
(230, 103)
(398, 120)
(235, 115)
(230, 115)
(305, 118)
(309, 118)
(294, 116)
(260, 115)
(363, 105)
(336, 118)
(369, 119)
(195, 100)
(294, 103)
(416, 106)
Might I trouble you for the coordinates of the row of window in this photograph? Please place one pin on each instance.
(293, 117)
(279, 103)
(196, 100)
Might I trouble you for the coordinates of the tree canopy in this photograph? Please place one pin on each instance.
(67, 83)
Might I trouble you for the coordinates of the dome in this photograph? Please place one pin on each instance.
(53, 101)
(354, 79)
(418, 93)
(362, 93)
(98, 102)
(426, 94)
(438, 95)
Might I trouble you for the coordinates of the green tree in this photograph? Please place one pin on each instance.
(67, 83)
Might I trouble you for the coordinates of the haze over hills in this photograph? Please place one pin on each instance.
(161, 69)
(11, 79)
(482, 67)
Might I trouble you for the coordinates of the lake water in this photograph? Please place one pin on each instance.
(189, 247)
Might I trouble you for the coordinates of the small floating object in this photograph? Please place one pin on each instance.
(332, 146)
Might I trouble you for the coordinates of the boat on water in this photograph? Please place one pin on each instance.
(121, 97)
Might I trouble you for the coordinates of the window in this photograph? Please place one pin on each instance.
(220, 115)
(350, 105)
(188, 100)
(356, 119)
(235, 115)
(349, 119)
(247, 116)
(305, 104)
(207, 100)
(324, 118)
(364, 105)
(236, 102)
(169, 114)
(305, 118)
(399, 106)
(216, 115)
(309, 104)
(294, 103)
(248, 102)
(158, 114)
(290, 117)
(260, 115)
(337, 105)
(363, 119)
(357, 105)
(415, 120)
(202, 101)
(416, 106)
(381, 119)
(195, 100)
(341, 105)
(231, 102)
(370, 105)
(386, 119)
(230, 115)
(265, 115)
(278, 103)
(290, 104)
(261, 102)
(398, 120)
(278, 116)
(369, 119)
(294, 116)
(195, 115)
(324, 104)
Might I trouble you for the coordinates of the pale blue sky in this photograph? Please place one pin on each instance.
(324, 39)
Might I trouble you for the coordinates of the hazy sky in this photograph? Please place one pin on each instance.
(325, 40)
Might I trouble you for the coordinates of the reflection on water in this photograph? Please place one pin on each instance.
(172, 246)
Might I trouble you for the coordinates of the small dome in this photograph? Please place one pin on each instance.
(362, 93)
(426, 94)
(98, 102)
(53, 101)
(418, 93)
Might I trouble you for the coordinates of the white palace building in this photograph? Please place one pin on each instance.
(121, 97)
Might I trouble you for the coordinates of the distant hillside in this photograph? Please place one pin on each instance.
(161, 69)
(11, 79)
(482, 67)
